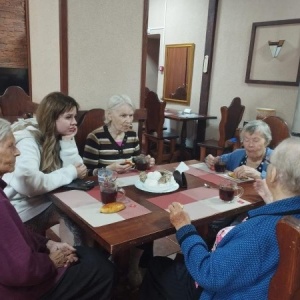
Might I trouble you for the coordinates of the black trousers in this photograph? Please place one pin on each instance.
(168, 279)
(92, 278)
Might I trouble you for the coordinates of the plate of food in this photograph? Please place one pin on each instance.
(161, 181)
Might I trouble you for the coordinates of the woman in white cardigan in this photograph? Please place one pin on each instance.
(49, 159)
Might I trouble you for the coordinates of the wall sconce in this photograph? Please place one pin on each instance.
(275, 47)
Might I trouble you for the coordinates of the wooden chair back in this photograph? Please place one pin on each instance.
(155, 109)
(180, 93)
(279, 129)
(158, 143)
(89, 121)
(285, 284)
(15, 103)
(140, 116)
(231, 117)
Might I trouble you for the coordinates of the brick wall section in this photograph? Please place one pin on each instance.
(13, 44)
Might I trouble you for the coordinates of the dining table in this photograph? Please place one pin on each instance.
(146, 216)
(184, 118)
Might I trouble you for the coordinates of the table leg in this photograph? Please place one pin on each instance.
(182, 154)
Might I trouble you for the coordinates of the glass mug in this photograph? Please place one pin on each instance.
(106, 175)
(110, 192)
(142, 162)
(220, 166)
(228, 190)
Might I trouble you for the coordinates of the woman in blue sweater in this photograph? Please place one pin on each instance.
(244, 261)
(250, 160)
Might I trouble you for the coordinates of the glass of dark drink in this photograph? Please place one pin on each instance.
(110, 192)
(229, 190)
(141, 162)
(220, 166)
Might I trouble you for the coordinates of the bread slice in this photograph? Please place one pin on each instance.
(111, 208)
(231, 174)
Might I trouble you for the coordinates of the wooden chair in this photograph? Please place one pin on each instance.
(158, 143)
(285, 284)
(89, 121)
(15, 103)
(140, 116)
(231, 117)
(279, 129)
(180, 93)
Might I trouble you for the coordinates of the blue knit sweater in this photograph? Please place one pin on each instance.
(234, 159)
(245, 260)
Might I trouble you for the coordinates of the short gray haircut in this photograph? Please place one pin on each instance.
(5, 129)
(286, 159)
(116, 101)
(257, 126)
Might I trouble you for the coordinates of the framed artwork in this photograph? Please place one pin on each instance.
(274, 53)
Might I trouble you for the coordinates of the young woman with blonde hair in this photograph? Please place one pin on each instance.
(49, 159)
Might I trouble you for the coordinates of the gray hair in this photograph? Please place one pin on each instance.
(116, 101)
(5, 129)
(286, 159)
(257, 126)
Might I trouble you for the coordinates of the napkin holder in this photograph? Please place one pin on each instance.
(180, 178)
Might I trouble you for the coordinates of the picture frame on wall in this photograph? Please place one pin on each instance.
(269, 65)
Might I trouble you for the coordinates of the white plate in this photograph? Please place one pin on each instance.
(166, 189)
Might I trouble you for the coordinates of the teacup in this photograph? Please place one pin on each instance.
(142, 162)
(228, 190)
(110, 192)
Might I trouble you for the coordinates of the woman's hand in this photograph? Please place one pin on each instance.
(53, 246)
(151, 161)
(81, 171)
(245, 171)
(70, 136)
(178, 216)
(61, 254)
(120, 166)
(210, 161)
(262, 189)
(62, 258)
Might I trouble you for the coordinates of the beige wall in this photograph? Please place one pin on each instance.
(105, 48)
(44, 47)
(152, 63)
(105, 39)
(234, 25)
(231, 54)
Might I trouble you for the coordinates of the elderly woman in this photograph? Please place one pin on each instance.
(33, 267)
(249, 161)
(245, 259)
(109, 146)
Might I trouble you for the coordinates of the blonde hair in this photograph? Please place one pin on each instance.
(49, 110)
(116, 101)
